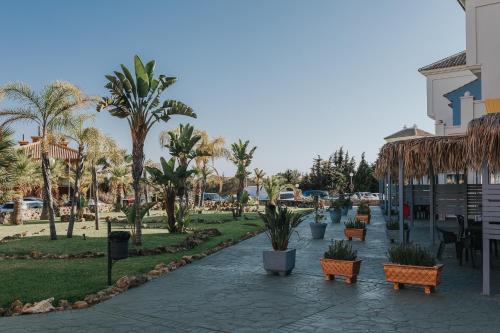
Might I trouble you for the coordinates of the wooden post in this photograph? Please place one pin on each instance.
(486, 240)
(431, 201)
(401, 183)
(389, 196)
(412, 203)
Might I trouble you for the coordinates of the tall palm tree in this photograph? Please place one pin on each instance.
(242, 157)
(101, 152)
(211, 149)
(83, 136)
(138, 99)
(7, 158)
(120, 180)
(259, 177)
(48, 109)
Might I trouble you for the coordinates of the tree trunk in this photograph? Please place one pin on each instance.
(137, 170)
(17, 214)
(76, 193)
(170, 208)
(45, 208)
(95, 185)
(47, 189)
(146, 194)
(119, 199)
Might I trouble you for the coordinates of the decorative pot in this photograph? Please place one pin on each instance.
(393, 235)
(363, 218)
(335, 216)
(344, 211)
(345, 268)
(351, 233)
(318, 230)
(279, 262)
(428, 277)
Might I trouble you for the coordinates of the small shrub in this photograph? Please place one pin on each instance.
(340, 250)
(353, 224)
(394, 225)
(410, 254)
(364, 209)
(336, 206)
(280, 223)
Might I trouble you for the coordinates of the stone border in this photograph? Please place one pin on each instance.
(121, 285)
(190, 242)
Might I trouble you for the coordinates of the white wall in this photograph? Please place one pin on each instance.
(438, 85)
(483, 43)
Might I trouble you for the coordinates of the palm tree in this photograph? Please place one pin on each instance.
(83, 137)
(170, 178)
(49, 109)
(7, 152)
(24, 176)
(120, 180)
(242, 158)
(259, 177)
(139, 101)
(273, 186)
(101, 152)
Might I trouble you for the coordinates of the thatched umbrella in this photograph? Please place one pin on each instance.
(483, 142)
(444, 152)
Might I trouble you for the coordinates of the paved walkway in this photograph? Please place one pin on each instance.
(230, 292)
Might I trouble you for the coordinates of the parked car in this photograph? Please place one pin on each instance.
(8, 207)
(320, 193)
(212, 197)
(287, 196)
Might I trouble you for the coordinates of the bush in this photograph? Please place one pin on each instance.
(353, 224)
(394, 225)
(336, 205)
(340, 250)
(364, 209)
(280, 224)
(410, 254)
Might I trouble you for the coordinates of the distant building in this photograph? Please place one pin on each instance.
(407, 133)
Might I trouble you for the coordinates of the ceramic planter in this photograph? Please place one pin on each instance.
(351, 233)
(279, 262)
(393, 235)
(344, 210)
(363, 218)
(335, 216)
(428, 277)
(318, 230)
(345, 268)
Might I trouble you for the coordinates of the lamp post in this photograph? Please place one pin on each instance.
(352, 185)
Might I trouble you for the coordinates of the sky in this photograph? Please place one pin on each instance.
(296, 78)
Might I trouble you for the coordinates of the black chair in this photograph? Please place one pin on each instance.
(447, 237)
(465, 242)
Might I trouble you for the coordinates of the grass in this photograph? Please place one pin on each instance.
(72, 279)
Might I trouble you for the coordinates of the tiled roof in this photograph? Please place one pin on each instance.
(408, 132)
(55, 151)
(461, 3)
(455, 60)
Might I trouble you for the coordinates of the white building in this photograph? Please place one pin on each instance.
(459, 86)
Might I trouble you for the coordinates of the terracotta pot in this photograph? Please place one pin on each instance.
(351, 233)
(345, 268)
(428, 277)
(363, 218)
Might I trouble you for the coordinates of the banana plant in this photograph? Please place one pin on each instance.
(138, 100)
(171, 179)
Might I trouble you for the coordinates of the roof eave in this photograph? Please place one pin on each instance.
(472, 68)
(461, 3)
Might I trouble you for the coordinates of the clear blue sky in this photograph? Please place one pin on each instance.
(297, 78)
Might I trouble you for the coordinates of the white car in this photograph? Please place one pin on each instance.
(8, 207)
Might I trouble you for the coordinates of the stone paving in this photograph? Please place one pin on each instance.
(230, 292)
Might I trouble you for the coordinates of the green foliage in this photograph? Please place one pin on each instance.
(410, 254)
(340, 250)
(130, 214)
(273, 185)
(363, 179)
(318, 217)
(394, 225)
(290, 176)
(364, 209)
(280, 223)
(245, 198)
(353, 224)
(336, 205)
(182, 217)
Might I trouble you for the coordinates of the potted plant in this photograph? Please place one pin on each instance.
(318, 227)
(355, 229)
(341, 260)
(364, 213)
(392, 231)
(412, 264)
(280, 224)
(345, 206)
(335, 211)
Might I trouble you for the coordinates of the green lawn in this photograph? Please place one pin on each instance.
(72, 279)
